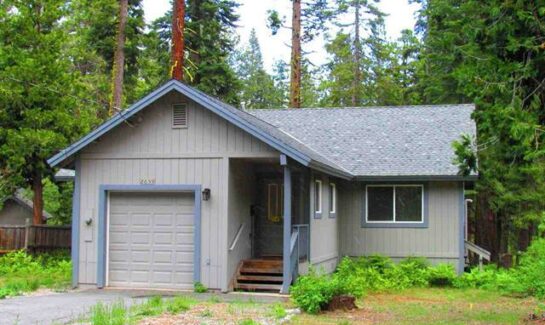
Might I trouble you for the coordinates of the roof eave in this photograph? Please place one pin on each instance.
(193, 95)
(372, 178)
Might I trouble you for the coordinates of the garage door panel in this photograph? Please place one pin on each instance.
(151, 240)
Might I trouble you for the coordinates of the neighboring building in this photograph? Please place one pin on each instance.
(181, 187)
(16, 209)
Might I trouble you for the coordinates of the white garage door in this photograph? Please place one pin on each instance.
(151, 240)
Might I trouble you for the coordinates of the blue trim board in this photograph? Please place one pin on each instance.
(424, 224)
(102, 222)
(76, 199)
(191, 94)
(461, 230)
(286, 272)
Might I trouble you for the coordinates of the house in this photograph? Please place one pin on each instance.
(16, 209)
(183, 188)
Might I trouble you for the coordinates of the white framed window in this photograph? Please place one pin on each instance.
(332, 198)
(317, 197)
(179, 115)
(394, 203)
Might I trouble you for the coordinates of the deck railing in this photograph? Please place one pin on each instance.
(303, 241)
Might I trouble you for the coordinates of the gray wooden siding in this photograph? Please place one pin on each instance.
(12, 213)
(324, 239)
(150, 135)
(150, 149)
(242, 194)
(439, 242)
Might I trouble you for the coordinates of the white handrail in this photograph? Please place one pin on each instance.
(235, 241)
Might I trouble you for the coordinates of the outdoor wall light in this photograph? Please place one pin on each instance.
(206, 194)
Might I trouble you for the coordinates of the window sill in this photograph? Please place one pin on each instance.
(394, 225)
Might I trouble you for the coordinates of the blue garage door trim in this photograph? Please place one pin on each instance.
(102, 215)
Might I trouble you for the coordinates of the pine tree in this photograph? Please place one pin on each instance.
(38, 110)
(119, 59)
(491, 53)
(258, 89)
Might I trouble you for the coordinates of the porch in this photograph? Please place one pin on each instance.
(268, 223)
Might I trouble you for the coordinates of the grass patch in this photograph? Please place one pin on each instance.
(118, 313)
(430, 306)
(21, 272)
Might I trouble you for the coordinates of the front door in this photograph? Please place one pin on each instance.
(268, 218)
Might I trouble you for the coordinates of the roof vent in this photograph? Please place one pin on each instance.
(179, 116)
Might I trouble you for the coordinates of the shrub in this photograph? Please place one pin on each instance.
(312, 292)
(442, 275)
(22, 272)
(200, 288)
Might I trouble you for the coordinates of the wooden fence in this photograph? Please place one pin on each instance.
(34, 237)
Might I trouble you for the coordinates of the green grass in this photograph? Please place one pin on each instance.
(118, 313)
(21, 272)
(432, 306)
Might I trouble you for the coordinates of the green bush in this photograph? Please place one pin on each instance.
(442, 275)
(21, 272)
(200, 288)
(312, 292)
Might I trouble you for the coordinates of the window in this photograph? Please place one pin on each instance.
(332, 199)
(275, 202)
(179, 116)
(395, 203)
(318, 197)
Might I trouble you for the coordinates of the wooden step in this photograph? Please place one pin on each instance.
(260, 278)
(262, 267)
(258, 287)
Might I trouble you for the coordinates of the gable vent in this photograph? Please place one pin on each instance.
(179, 116)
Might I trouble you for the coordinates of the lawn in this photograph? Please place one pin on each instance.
(411, 306)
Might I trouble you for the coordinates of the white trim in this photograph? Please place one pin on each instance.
(333, 198)
(394, 221)
(320, 199)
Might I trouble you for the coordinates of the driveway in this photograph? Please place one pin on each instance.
(57, 308)
(61, 308)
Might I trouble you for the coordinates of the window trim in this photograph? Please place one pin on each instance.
(318, 212)
(396, 224)
(333, 200)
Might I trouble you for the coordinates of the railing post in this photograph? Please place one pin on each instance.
(27, 232)
(287, 226)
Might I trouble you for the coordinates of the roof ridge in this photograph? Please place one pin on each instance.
(358, 107)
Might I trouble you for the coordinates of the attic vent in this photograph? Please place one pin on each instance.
(179, 116)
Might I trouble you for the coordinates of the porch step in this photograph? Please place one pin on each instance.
(259, 275)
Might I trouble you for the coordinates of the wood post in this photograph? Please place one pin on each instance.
(27, 233)
(287, 227)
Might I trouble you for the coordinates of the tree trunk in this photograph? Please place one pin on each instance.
(295, 80)
(37, 200)
(178, 22)
(356, 83)
(119, 59)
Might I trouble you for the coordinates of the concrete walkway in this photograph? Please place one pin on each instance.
(62, 308)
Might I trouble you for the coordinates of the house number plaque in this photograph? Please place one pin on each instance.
(147, 181)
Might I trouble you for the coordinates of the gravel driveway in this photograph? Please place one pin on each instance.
(61, 308)
(56, 308)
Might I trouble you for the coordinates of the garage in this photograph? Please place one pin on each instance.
(151, 240)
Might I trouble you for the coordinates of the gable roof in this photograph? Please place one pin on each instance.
(349, 142)
(20, 199)
(378, 142)
(265, 132)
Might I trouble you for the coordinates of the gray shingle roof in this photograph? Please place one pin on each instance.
(379, 141)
